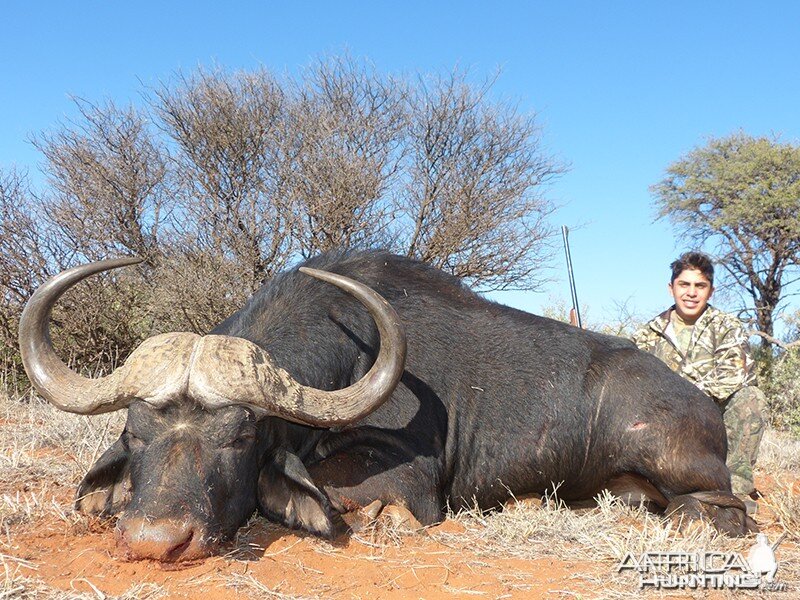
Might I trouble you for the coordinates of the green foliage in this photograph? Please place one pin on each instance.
(740, 195)
(782, 389)
(738, 183)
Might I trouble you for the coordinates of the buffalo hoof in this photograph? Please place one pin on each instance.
(400, 519)
(723, 510)
(391, 517)
(358, 520)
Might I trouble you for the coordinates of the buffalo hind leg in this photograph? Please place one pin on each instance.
(634, 490)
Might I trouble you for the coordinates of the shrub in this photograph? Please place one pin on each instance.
(782, 387)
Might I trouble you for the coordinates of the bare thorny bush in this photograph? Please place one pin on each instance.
(474, 198)
(219, 180)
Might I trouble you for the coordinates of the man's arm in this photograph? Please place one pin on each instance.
(643, 339)
(728, 366)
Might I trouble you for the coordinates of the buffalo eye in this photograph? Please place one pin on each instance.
(132, 442)
(242, 441)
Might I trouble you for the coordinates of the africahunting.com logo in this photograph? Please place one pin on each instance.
(707, 570)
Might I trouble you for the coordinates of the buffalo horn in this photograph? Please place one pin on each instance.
(214, 370)
(67, 390)
(233, 370)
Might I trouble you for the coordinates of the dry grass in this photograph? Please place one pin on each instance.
(779, 458)
(253, 588)
(14, 583)
(785, 505)
(44, 452)
(531, 530)
(36, 432)
(779, 452)
(604, 534)
(601, 535)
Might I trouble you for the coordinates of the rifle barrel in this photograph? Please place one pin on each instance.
(573, 291)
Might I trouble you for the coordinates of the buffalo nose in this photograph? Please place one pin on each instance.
(164, 540)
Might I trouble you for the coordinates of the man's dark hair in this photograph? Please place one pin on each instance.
(693, 260)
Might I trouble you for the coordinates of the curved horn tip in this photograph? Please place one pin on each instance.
(124, 261)
(313, 272)
(47, 372)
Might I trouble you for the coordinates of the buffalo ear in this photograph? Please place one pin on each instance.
(105, 490)
(287, 495)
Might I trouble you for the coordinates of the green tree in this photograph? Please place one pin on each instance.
(739, 197)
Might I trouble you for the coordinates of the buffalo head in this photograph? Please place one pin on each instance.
(203, 413)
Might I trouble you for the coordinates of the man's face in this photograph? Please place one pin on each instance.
(691, 291)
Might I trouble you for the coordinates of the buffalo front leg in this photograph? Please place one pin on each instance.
(700, 489)
(723, 510)
(356, 479)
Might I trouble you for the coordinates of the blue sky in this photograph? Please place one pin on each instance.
(621, 89)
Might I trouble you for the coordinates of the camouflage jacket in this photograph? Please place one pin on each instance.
(718, 360)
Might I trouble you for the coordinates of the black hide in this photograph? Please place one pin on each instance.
(493, 402)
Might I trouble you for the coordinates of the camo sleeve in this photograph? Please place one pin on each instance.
(645, 339)
(724, 365)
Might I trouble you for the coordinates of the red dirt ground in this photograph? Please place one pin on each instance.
(271, 562)
(74, 554)
(286, 563)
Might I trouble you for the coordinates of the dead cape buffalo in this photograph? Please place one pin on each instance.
(307, 404)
